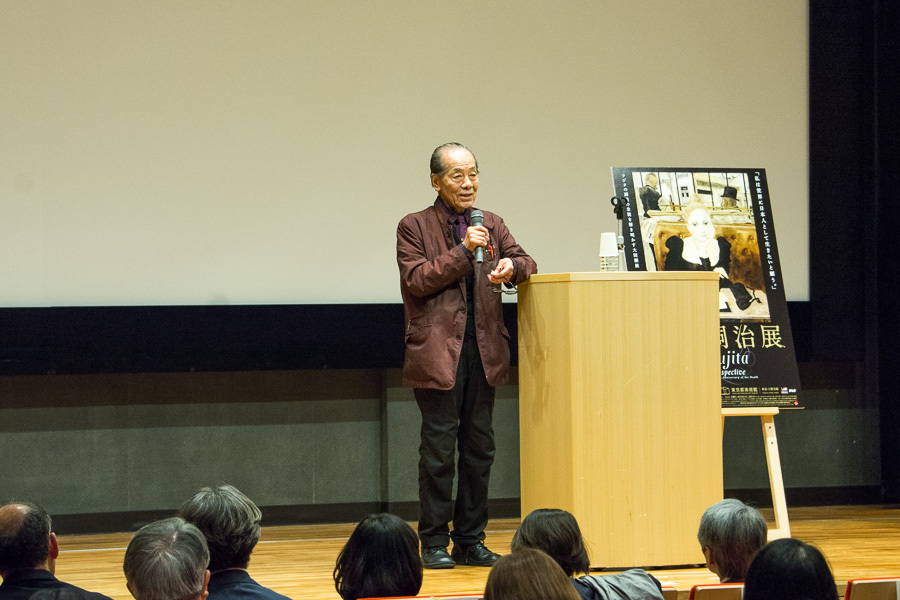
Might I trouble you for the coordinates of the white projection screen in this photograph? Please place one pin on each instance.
(207, 152)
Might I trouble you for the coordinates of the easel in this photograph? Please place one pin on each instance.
(782, 528)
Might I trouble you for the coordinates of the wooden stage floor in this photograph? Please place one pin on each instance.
(297, 561)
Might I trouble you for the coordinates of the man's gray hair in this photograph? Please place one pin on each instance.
(734, 533)
(437, 158)
(230, 522)
(166, 560)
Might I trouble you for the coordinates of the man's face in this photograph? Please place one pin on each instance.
(459, 183)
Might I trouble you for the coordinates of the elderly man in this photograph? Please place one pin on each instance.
(230, 522)
(731, 533)
(28, 553)
(457, 350)
(167, 560)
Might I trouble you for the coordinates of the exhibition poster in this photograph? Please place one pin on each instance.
(719, 220)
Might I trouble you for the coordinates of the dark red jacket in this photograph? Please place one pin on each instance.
(433, 272)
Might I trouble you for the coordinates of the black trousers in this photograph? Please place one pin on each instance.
(456, 420)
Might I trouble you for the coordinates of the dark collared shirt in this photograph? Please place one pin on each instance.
(237, 583)
(452, 218)
(21, 585)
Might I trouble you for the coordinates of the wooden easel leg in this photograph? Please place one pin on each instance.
(776, 483)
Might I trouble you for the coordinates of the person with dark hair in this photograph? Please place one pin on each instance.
(380, 559)
(167, 560)
(457, 351)
(28, 553)
(730, 535)
(788, 569)
(556, 533)
(528, 574)
(230, 522)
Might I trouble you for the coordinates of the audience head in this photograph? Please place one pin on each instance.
(555, 532)
(730, 534)
(26, 541)
(230, 522)
(528, 574)
(381, 558)
(789, 569)
(167, 560)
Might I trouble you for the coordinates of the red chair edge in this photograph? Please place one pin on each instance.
(712, 585)
(426, 596)
(851, 581)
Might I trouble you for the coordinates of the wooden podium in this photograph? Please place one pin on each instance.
(620, 409)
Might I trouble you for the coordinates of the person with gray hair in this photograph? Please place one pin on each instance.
(167, 560)
(28, 553)
(230, 522)
(730, 534)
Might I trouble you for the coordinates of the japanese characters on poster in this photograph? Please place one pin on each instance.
(691, 219)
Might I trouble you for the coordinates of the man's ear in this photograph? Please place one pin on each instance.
(204, 593)
(710, 561)
(54, 546)
(435, 182)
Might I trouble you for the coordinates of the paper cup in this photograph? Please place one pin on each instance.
(609, 252)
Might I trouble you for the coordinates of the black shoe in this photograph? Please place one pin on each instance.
(437, 557)
(476, 555)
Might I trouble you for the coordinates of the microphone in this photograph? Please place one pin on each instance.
(477, 218)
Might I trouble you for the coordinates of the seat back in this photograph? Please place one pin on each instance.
(875, 588)
(669, 593)
(717, 591)
(462, 596)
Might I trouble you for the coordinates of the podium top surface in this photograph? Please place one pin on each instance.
(624, 276)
